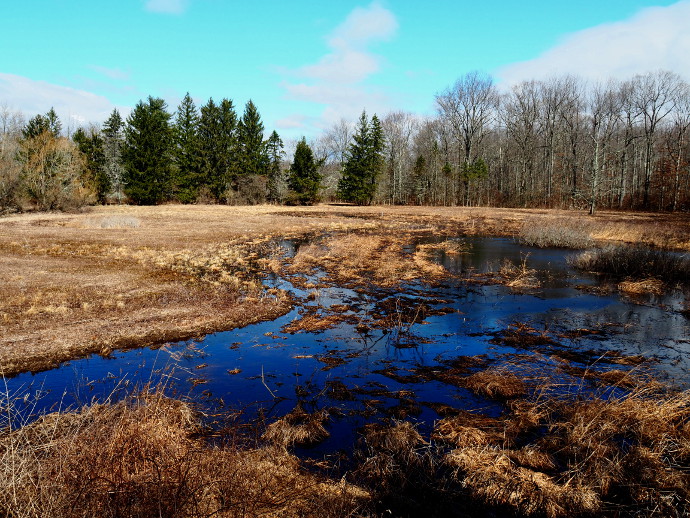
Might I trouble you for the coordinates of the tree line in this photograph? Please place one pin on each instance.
(559, 143)
(206, 154)
(555, 143)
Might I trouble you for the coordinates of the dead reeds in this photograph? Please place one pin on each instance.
(142, 457)
(557, 233)
(298, 428)
(595, 454)
(635, 263)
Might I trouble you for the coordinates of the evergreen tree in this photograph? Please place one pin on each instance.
(113, 139)
(91, 145)
(304, 179)
(228, 139)
(217, 141)
(252, 157)
(41, 123)
(187, 156)
(363, 162)
(54, 124)
(274, 148)
(147, 152)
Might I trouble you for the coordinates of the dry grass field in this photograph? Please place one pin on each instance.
(124, 276)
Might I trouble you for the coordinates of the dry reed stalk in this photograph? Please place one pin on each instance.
(498, 383)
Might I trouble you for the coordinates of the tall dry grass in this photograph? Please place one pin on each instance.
(636, 263)
(143, 457)
(557, 233)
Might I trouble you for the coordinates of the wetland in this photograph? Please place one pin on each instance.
(425, 360)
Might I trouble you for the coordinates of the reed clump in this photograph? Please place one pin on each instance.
(556, 233)
(635, 263)
(298, 428)
(556, 455)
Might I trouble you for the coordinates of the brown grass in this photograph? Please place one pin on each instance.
(493, 476)
(366, 259)
(557, 233)
(644, 286)
(595, 454)
(140, 458)
(498, 383)
(298, 428)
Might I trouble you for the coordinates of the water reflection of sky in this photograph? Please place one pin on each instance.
(273, 362)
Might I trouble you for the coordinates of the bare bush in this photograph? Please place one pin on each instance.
(9, 173)
(53, 173)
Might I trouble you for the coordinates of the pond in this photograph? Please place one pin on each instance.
(395, 353)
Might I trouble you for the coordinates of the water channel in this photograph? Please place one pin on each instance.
(360, 372)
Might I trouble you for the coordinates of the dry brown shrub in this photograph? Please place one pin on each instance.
(298, 427)
(518, 275)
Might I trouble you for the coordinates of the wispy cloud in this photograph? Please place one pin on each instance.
(111, 73)
(293, 121)
(34, 97)
(337, 79)
(166, 6)
(654, 38)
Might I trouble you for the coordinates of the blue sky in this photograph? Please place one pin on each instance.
(306, 64)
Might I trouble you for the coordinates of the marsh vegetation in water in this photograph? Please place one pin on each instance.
(367, 347)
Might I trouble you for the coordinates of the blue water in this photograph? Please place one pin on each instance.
(277, 369)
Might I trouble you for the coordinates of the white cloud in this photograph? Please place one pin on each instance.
(111, 73)
(166, 6)
(293, 121)
(34, 97)
(363, 26)
(654, 38)
(337, 79)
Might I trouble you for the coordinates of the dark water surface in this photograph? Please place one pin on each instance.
(363, 374)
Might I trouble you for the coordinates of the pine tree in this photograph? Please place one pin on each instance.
(304, 179)
(363, 162)
(274, 148)
(252, 157)
(187, 157)
(113, 139)
(54, 124)
(147, 152)
(217, 132)
(42, 123)
(91, 145)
